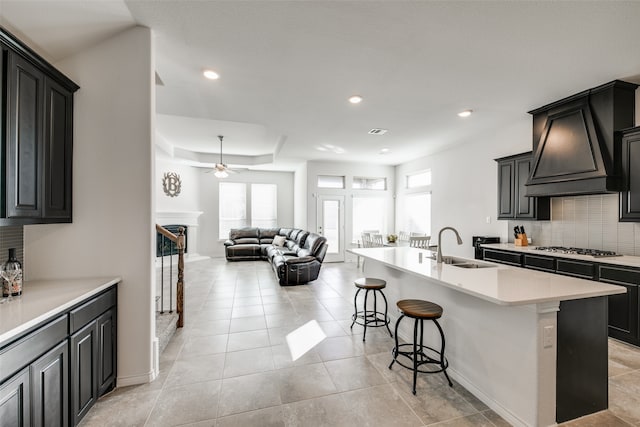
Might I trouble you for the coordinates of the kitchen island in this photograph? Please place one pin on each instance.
(531, 345)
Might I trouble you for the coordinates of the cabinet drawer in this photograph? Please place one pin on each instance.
(87, 312)
(29, 348)
(619, 276)
(503, 257)
(542, 263)
(583, 270)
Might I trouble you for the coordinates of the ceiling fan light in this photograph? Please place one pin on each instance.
(221, 174)
(211, 75)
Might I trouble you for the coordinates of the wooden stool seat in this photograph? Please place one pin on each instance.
(419, 309)
(370, 283)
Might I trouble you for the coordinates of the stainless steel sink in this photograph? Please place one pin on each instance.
(465, 263)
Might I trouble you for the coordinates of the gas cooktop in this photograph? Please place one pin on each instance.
(596, 253)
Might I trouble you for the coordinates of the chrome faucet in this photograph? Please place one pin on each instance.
(439, 256)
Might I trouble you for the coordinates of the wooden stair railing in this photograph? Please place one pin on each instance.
(179, 241)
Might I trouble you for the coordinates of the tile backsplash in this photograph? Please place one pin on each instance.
(11, 237)
(584, 222)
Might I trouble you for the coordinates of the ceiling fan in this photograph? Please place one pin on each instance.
(221, 170)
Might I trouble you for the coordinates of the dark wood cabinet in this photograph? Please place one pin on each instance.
(513, 173)
(24, 144)
(93, 352)
(53, 374)
(37, 135)
(623, 308)
(50, 388)
(581, 269)
(539, 262)
(15, 401)
(503, 257)
(630, 196)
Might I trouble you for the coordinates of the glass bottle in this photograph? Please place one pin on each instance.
(13, 274)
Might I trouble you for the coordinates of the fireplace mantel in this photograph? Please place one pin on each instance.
(189, 218)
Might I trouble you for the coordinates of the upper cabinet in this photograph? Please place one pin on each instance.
(513, 173)
(630, 196)
(36, 135)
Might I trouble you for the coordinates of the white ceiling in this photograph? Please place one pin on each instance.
(288, 67)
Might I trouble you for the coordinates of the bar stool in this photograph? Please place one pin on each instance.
(368, 317)
(420, 311)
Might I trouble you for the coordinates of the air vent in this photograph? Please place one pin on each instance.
(376, 131)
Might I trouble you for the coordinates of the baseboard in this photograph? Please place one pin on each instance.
(136, 379)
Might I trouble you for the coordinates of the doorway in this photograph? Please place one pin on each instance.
(330, 222)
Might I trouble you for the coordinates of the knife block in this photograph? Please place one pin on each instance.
(521, 240)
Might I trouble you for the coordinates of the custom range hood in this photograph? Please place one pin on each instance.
(576, 146)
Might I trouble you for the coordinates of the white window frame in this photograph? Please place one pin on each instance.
(366, 180)
(408, 185)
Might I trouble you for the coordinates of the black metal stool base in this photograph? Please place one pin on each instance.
(370, 318)
(418, 355)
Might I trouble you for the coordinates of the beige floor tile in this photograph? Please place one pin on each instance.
(246, 362)
(248, 340)
(211, 327)
(186, 404)
(600, 419)
(133, 408)
(270, 417)
(304, 382)
(338, 348)
(624, 354)
(195, 369)
(247, 311)
(475, 420)
(243, 324)
(328, 411)
(353, 373)
(495, 419)
(380, 406)
(249, 392)
(202, 345)
(282, 357)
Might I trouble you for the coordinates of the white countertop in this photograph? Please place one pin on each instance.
(622, 260)
(43, 299)
(501, 284)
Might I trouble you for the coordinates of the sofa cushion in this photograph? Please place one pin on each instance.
(301, 237)
(268, 233)
(247, 232)
(313, 242)
(279, 240)
(285, 232)
(294, 233)
(247, 241)
(247, 250)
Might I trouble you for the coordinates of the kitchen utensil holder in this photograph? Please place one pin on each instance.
(521, 240)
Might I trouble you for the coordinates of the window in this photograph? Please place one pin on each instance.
(360, 183)
(369, 213)
(415, 212)
(328, 181)
(233, 207)
(419, 179)
(264, 205)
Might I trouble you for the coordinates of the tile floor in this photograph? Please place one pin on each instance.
(230, 365)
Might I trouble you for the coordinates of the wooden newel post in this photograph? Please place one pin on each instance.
(180, 285)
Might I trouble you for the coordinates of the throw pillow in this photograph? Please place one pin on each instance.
(279, 240)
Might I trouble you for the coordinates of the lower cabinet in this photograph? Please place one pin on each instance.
(52, 376)
(623, 308)
(15, 401)
(503, 257)
(93, 368)
(50, 388)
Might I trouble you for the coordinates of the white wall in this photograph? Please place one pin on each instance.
(348, 170)
(112, 231)
(464, 184)
(188, 199)
(208, 241)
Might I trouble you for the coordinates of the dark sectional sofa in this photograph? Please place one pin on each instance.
(296, 262)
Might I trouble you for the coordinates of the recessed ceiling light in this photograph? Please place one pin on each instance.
(211, 75)
(377, 131)
(355, 99)
(384, 151)
(465, 113)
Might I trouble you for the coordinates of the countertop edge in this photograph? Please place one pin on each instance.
(7, 336)
(614, 289)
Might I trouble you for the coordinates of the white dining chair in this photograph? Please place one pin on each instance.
(403, 236)
(421, 242)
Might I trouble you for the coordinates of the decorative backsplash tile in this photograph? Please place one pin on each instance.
(584, 222)
(11, 237)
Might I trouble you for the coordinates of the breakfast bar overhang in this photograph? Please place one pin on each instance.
(531, 345)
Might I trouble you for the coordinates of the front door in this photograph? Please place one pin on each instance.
(331, 225)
